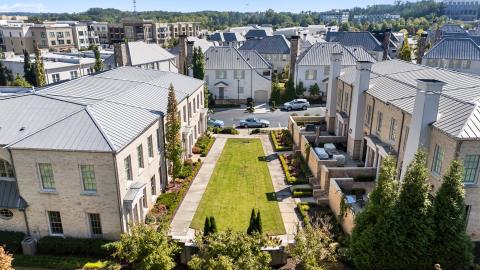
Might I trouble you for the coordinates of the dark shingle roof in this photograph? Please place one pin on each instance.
(256, 33)
(9, 196)
(364, 39)
(268, 45)
(458, 48)
(226, 37)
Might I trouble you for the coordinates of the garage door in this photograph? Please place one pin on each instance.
(261, 96)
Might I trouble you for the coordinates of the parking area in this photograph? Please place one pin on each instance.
(277, 118)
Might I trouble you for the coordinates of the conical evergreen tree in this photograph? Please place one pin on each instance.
(28, 70)
(414, 210)
(213, 225)
(39, 69)
(173, 146)
(258, 223)
(275, 96)
(452, 247)
(98, 60)
(206, 226)
(3, 74)
(374, 236)
(290, 92)
(405, 51)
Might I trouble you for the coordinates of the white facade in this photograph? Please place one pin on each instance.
(466, 66)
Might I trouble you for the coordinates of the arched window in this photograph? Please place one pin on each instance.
(6, 170)
(6, 214)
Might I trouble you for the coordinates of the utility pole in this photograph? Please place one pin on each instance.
(134, 7)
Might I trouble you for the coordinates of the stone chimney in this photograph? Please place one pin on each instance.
(386, 43)
(182, 55)
(190, 57)
(357, 110)
(425, 112)
(422, 43)
(121, 54)
(335, 68)
(293, 56)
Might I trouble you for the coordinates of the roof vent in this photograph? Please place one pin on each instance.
(22, 129)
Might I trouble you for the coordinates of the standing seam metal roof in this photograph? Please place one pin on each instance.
(454, 48)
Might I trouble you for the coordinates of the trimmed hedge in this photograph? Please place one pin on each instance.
(12, 241)
(291, 180)
(58, 246)
(227, 130)
(302, 193)
(204, 143)
(276, 145)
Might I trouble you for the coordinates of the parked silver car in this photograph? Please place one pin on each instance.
(296, 104)
(254, 122)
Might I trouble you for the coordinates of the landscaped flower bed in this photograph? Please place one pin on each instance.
(203, 145)
(282, 140)
(227, 130)
(295, 169)
(167, 203)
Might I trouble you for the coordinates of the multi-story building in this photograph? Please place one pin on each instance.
(230, 39)
(162, 33)
(374, 18)
(98, 32)
(274, 49)
(87, 158)
(465, 10)
(53, 36)
(139, 30)
(17, 37)
(334, 16)
(116, 33)
(366, 40)
(189, 29)
(81, 34)
(234, 75)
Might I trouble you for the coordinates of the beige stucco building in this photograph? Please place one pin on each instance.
(86, 158)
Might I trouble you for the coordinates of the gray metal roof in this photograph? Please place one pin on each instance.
(231, 58)
(363, 39)
(454, 48)
(394, 82)
(9, 196)
(256, 33)
(277, 44)
(143, 53)
(452, 28)
(197, 42)
(319, 54)
(101, 113)
(226, 37)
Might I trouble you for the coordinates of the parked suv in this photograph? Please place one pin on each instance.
(254, 122)
(296, 104)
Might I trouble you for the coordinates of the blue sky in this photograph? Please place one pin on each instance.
(182, 5)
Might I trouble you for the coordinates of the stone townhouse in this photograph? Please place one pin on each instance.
(234, 75)
(395, 107)
(86, 158)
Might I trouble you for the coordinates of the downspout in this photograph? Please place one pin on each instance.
(400, 140)
(371, 118)
(18, 189)
(120, 208)
(161, 151)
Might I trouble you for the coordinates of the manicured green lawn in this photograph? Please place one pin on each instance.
(240, 182)
(55, 262)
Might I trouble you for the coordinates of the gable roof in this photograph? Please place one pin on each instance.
(277, 44)
(143, 53)
(231, 58)
(197, 42)
(363, 39)
(100, 113)
(319, 54)
(394, 82)
(454, 48)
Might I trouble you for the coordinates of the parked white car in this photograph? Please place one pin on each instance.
(296, 104)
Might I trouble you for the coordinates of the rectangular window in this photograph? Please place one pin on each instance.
(59, 34)
(46, 175)
(326, 70)
(74, 74)
(88, 178)
(471, 168)
(379, 122)
(144, 198)
(95, 225)
(221, 74)
(437, 159)
(55, 221)
(239, 74)
(407, 130)
(153, 185)
(128, 167)
(311, 75)
(51, 34)
(393, 129)
(368, 117)
(140, 156)
(61, 42)
(54, 43)
(55, 77)
(43, 34)
(240, 90)
(184, 113)
(150, 146)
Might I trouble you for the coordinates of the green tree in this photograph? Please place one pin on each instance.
(146, 248)
(20, 82)
(213, 225)
(251, 226)
(3, 74)
(206, 96)
(290, 92)
(198, 64)
(452, 248)
(314, 90)
(405, 51)
(374, 236)
(173, 146)
(275, 96)
(98, 60)
(301, 89)
(230, 250)
(206, 226)
(415, 217)
(39, 69)
(28, 70)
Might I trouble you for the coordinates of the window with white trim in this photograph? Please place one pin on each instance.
(220, 74)
(311, 75)
(470, 164)
(55, 221)
(153, 185)
(379, 122)
(95, 225)
(368, 117)
(6, 170)
(150, 146)
(127, 162)
(46, 176)
(437, 159)
(55, 77)
(239, 74)
(140, 156)
(88, 178)
(393, 130)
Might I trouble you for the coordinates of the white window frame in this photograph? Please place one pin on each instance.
(476, 169)
(311, 75)
(50, 224)
(437, 161)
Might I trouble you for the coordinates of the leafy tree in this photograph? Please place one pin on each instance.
(345, 26)
(3, 74)
(206, 96)
(415, 219)
(405, 51)
(20, 82)
(374, 236)
(173, 146)
(230, 250)
(28, 70)
(39, 69)
(452, 247)
(98, 60)
(198, 64)
(290, 92)
(314, 90)
(301, 89)
(5, 260)
(146, 248)
(275, 96)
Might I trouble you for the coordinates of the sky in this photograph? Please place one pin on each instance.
(183, 5)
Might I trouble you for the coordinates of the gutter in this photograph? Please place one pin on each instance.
(161, 152)
(119, 198)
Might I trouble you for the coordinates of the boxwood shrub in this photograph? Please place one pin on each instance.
(59, 246)
(12, 241)
(291, 180)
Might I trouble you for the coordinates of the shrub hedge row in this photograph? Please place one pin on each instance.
(291, 180)
(302, 193)
(227, 130)
(276, 145)
(59, 246)
(12, 241)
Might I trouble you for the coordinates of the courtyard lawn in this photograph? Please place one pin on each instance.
(240, 181)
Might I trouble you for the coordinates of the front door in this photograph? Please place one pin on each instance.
(221, 92)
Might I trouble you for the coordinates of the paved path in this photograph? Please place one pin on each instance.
(180, 226)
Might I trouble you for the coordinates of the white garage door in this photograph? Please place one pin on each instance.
(261, 96)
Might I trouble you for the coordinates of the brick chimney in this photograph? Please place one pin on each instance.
(425, 112)
(386, 43)
(422, 43)
(293, 56)
(357, 109)
(121, 54)
(182, 55)
(335, 68)
(189, 57)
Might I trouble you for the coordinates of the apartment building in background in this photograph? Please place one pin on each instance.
(116, 33)
(189, 29)
(86, 158)
(334, 16)
(465, 10)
